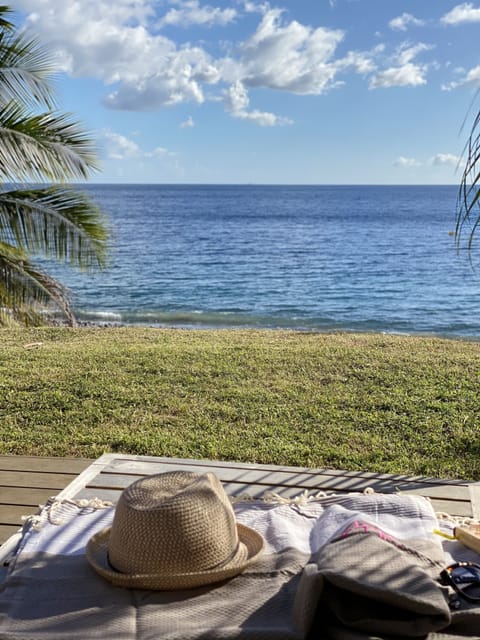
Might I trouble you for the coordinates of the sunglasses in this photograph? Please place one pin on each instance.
(464, 577)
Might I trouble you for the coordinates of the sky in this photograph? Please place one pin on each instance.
(274, 92)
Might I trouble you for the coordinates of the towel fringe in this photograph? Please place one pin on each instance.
(271, 497)
(49, 512)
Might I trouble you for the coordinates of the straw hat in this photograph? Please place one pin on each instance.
(173, 530)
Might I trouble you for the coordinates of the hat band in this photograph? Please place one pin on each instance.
(215, 566)
(228, 559)
(111, 565)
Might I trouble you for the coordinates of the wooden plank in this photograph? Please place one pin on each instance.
(474, 489)
(447, 492)
(13, 514)
(108, 495)
(452, 496)
(300, 482)
(27, 482)
(452, 507)
(288, 469)
(233, 489)
(148, 465)
(53, 481)
(71, 466)
(7, 530)
(24, 496)
(85, 476)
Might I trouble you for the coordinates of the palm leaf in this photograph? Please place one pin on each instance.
(25, 290)
(46, 147)
(4, 23)
(25, 66)
(25, 69)
(468, 200)
(43, 147)
(57, 222)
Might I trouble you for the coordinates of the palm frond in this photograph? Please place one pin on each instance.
(25, 291)
(58, 222)
(43, 148)
(25, 71)
(4, 23)
(468, 199)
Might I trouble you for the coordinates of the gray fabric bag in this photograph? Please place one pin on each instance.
(375, 585)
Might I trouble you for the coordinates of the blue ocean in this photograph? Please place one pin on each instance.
(318, 258)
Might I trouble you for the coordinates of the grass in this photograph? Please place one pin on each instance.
(349, 401)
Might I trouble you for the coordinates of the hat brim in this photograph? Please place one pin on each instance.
(249, 548)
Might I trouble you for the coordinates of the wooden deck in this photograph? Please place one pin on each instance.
(27, 482)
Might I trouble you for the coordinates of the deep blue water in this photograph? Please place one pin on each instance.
(319, 258)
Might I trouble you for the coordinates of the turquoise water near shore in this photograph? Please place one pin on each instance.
(364, 258)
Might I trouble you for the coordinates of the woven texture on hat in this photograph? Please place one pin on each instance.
(175, 522)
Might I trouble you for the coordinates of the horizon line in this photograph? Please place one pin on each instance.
(268, 184)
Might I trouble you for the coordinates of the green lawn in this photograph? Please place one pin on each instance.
(348, 401)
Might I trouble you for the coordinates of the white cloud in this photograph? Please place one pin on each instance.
(158, 152)
(119, 147)
(409, 75)
(402, 161)
(236, 97)
(188, 123)
(263, 118)
(117, 44)
(120, 45)
(256, 7)
(442, 159)
(190, 12)
(112, 42)
(472, 77)
(135, 12)
(406, 52)
(290, 57)
(237, 101)
(405, 71)
(362, 62)
(178, 78)
(400, 23)
(461, 14)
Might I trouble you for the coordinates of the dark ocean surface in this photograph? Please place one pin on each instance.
(360, 258)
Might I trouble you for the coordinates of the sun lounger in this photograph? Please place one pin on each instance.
(307, 492)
